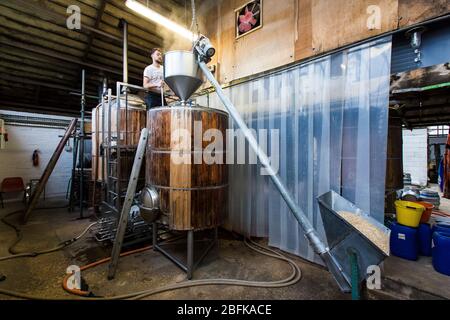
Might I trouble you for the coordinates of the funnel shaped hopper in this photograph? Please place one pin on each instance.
(182, 73)
(343, 238)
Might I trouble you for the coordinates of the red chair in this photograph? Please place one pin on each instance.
(11, 185)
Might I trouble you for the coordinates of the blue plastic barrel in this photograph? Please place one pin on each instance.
(424, 237)
(404, 241)
(443, 228)
(441, 252)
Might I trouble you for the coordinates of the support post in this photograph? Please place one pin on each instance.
(107, 151)
(154, 236)
(190, 253)
(118, 183)
(74, 169)
(124, 25)
(83, 105)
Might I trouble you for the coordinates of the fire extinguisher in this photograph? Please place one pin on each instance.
(35, 158)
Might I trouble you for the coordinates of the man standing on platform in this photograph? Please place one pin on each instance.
(154, 80)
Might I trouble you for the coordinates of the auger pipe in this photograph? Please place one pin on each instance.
(310, 233)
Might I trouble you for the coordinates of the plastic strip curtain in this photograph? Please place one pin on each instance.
(332, 117)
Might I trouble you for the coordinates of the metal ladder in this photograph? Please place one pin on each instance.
(131, 190)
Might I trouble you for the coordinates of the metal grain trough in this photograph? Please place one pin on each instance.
(343, 238)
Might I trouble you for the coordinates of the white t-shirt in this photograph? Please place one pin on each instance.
(156, 75)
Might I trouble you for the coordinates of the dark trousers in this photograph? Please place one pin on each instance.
(153, 100)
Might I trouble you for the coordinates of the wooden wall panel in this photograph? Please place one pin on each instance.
(266, 48)
(269, 47)
(415, 11)
(303, 35)
(336, 23)
(298, 29)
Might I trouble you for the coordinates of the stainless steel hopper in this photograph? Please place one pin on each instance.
(182, 73)
(343, 238)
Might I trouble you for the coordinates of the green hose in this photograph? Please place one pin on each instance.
(436, 86)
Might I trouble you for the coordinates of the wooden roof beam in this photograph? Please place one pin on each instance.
(44, 84)
(60, 56)
(17, 106)
(100, 12)
(60, 19)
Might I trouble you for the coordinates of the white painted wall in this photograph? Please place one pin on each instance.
(415, 155)
(16, 158)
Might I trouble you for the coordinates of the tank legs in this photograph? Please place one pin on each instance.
(189, 264)
(190, 253)
(154, 235)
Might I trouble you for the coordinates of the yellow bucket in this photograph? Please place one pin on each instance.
(408, 213)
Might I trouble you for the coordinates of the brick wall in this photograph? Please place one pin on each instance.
(16, 158)
(415, 155)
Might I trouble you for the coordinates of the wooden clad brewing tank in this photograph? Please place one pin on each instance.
(132, 120)
(192, 194)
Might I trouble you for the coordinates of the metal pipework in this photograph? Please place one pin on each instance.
(104, 86)
(125, 50)
(310, 233)
(83, 105)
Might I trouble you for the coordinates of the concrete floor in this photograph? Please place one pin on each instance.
(42, 275)
(444, 202)
(422, 281)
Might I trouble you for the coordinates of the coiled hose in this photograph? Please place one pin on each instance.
(293, 278)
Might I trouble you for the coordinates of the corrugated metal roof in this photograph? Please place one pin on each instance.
(41, 59)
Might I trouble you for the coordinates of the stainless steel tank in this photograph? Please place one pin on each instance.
(132, 120)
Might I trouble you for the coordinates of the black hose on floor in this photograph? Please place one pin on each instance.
(294, 277)
(19, 236)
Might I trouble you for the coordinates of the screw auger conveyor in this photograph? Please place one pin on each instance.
(335, 257)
